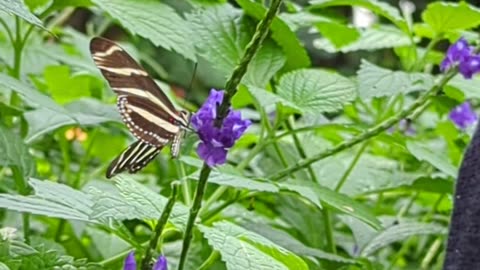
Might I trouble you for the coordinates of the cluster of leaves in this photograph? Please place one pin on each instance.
(323, 179)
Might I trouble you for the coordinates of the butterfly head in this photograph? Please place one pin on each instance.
(185, 117)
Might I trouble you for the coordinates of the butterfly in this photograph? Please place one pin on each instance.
(145, 109)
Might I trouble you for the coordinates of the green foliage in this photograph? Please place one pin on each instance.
(297, 192)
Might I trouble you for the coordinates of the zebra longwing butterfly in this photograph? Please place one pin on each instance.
(144, 108)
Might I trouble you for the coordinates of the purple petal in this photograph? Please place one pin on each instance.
(212, 155)
(456, 53)
(463, 115)
(161, 263)
(130, 263)
(470, 66)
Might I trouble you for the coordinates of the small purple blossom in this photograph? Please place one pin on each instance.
(131, 264)
(462, 54)
(463, 115)
(214, 141)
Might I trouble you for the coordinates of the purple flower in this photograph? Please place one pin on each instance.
(214, 141)
(131, 264)
(463, 115)
(462, 54)
(457, 52)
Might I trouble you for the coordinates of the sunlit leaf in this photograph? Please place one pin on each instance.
(441, 162)
(17, 7)
(375, 81)
(152, 20)
(444, 17)
(316, 91)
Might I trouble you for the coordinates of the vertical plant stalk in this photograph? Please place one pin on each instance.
(327, 216)
(230, 89)
(23, 189)
(372, 132)
(145, 265)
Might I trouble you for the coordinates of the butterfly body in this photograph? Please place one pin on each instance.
(145, 109)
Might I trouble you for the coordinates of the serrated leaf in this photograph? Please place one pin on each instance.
(296, 54)
(87, 112)
(374, 81)
(15, 152)
(400, 232)
(242, 249)
(374, 38)
(468, 87)
(154, 21)
(316, 91)
(50, 199)
(221, 35)
(29, 94)
(379, 7)
(287, 241)
(267, 99)
(437, 160)
(338, 201)
(444, 17)
(18, 8)
(135, 201)
(225, 178)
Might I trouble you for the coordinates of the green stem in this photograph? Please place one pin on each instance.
(372, 132)
(9, 33)
(351, 167)
(241, 68)
(432, 251)
(213, 258)
(83, 164)
(146, 265)
(197, 203)
(22, 186)
(187, 198)
(17, 49)
(230, 89)
(327, 216)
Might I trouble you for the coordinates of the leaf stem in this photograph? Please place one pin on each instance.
(214, 256)
(351, 166)
(222, 111)
(370, 133)
(22, 186)
(159, 228)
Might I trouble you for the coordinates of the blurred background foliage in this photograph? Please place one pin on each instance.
(60, 126)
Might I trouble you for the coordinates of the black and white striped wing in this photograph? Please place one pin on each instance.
(133, 158)
(145, 109)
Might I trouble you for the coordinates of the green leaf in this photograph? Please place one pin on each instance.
(444, 17)
(374, 38)
(400, 232)
(15, 152)
(374, 81)
(436, 159)
(29, 94)
(87, 112)
(316, 91)
(221, 35)
(4, 266)
(286, 241)
(468, 87)
(18, 8)
(66, 88)
(338, 34)
(51, 199)
(225, 177)
(242, 249)
(379, 7)
(267, 99)
(38, 6)
(297, 56)
(154, 21)
(61, 4)
(134, 200)
(338, 201)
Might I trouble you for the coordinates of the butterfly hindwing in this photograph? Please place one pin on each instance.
(133, 158)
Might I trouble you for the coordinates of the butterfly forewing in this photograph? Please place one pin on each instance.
(146, 110)
(133, 158)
